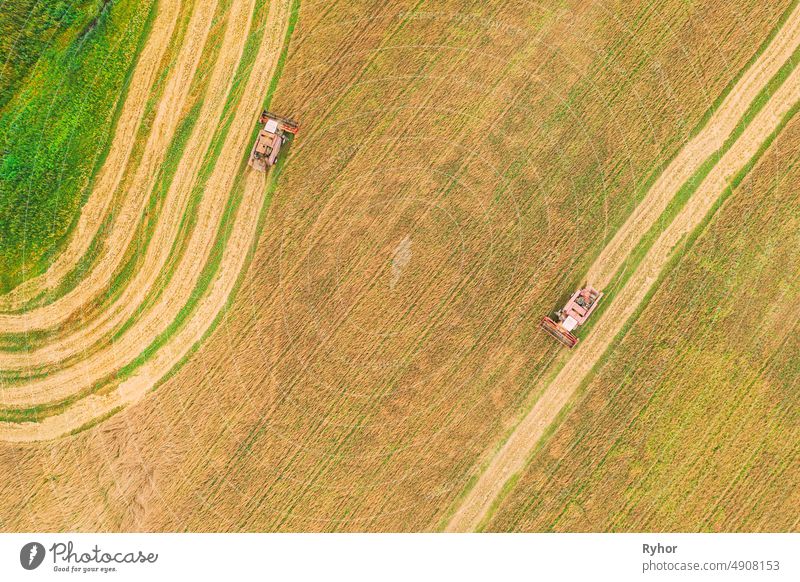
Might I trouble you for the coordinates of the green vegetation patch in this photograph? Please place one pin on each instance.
(688, 189)
(30, 28)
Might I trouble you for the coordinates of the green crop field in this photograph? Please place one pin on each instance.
(692, 422)
(351, 342)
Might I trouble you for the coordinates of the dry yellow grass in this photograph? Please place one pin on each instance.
(581, 365)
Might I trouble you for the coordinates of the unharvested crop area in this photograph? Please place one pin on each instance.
(347, 343)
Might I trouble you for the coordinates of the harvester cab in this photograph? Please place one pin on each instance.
(577, 310)
(270, 139)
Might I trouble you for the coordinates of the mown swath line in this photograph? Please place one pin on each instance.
(200, 82)
(88, 261)
(678, 253)
(37, 413)
(112, 35)
(140, 242)
(176, 152)
(690, 186)
(25, 342)
(189, 218)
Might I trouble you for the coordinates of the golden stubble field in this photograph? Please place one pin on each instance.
(457, 171)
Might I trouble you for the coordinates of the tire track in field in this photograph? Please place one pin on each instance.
(165, 124)
(236, 459)
(150, 267)
(234, 256)
(512, 456)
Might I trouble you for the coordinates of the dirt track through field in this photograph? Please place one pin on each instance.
(513, 454)
(112, 357)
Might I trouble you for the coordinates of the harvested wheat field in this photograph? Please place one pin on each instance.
(350, 341)
(679, 429)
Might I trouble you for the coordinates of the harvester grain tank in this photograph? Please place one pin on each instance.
(577, 310)
(270, 139)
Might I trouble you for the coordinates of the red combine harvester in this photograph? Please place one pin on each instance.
(575, 313)
(270, 139)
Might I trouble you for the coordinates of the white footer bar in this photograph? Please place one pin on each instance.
(406, 557)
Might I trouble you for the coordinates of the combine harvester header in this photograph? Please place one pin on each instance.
(270, 139)
(575, 313)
